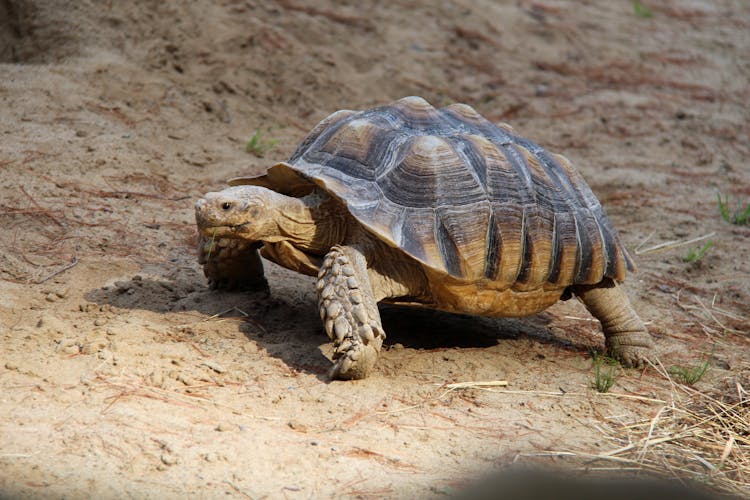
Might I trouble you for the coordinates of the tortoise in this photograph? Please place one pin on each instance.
(410, 204)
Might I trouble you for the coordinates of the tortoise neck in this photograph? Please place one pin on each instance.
(313, 223)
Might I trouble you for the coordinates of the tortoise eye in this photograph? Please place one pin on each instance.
(226, 205)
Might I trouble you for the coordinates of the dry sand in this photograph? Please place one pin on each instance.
(123, 375)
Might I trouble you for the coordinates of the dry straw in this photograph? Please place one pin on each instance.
(697, 436)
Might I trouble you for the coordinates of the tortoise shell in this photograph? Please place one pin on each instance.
(463, 196)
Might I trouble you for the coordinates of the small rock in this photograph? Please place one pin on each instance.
(50, 297)
(214, 457)
(185, 379)
(11, 366)
(62, 293)
(156, 378)
(111, 332)
(71, 349)
(95, 345)
(224, 427)
(297, 426)
(214, 366)
(168, 459)
(164, 445)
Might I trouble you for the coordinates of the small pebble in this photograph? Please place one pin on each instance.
(98, 322)
(94, 346)
(168, 459)
(11, 366)
(50, 297)
(71, 349)
(156, 378)
(297, 426)
(214, 366)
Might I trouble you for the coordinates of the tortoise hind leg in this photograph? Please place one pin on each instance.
(231, 264)
(627, 339)
(350, 313)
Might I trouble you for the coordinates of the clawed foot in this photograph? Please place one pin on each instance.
(631, 349)
(232, 265)
(351, 317)
(353, 360)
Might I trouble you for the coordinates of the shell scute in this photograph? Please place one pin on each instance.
(505, 247)
(538, 225)
(461, 235)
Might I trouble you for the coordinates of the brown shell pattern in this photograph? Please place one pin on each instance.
(464, 196)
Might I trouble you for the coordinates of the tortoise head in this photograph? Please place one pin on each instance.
(239, 212)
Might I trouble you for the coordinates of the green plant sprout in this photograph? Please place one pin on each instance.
(740, 216)
(604, 376)
(690, 375)
(641, 10)
(258, 146)
(697, 253)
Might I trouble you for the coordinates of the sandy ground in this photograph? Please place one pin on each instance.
(123, 375)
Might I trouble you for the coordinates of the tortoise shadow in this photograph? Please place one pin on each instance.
(430, 329)
(285, 323)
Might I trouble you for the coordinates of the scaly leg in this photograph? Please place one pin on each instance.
(231, 264)
(627, 339)
(350, 313)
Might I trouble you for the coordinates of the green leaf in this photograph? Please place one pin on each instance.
(641, 10)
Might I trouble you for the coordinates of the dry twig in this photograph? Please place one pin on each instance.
(61, 270)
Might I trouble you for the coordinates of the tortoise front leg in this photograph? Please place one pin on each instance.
(231, 264)
(627, 339)
(350, 313)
